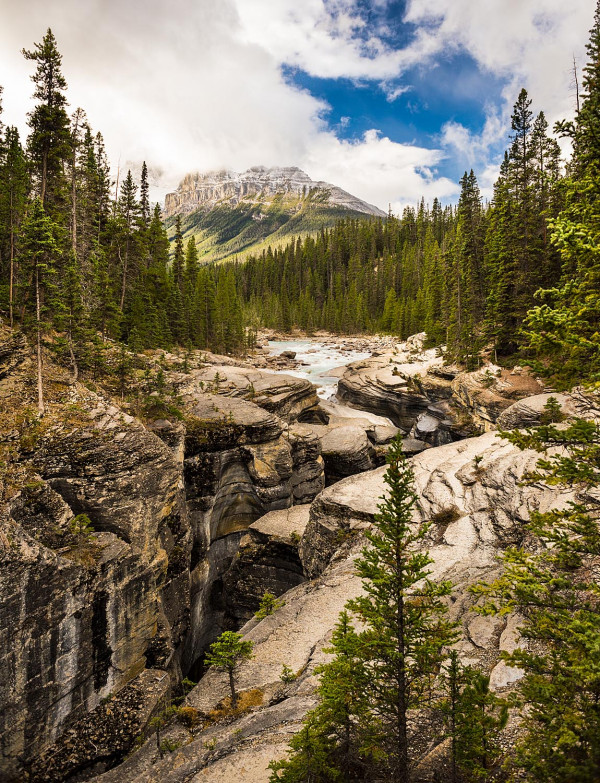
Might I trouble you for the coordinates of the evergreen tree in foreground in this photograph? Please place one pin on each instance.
(377, 676)
(404, 611)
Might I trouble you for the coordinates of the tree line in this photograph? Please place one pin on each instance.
(85, 265)
(467, 274)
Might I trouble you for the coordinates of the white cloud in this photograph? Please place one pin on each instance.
(198, 84)
(380, 170)
(529, 43)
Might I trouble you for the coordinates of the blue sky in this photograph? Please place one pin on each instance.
(390, 99)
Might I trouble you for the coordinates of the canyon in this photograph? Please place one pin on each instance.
(261, 482)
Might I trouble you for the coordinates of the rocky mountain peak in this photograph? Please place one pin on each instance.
(259, 184)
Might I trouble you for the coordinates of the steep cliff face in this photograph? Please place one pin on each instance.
(477, 508)
(115, 541)
(231, 214)
(257, 185)
(84, 611)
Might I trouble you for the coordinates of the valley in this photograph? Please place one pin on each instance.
(195, 519)
(296, 487)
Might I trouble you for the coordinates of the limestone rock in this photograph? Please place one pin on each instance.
(475, 514)
(346, 451)
(486, 393)
(284, 395)
(527, 412)
(257, 184)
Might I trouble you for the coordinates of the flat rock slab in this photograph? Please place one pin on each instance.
(283, 523)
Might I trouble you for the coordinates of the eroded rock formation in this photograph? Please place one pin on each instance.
(477, 508)
(256, 185)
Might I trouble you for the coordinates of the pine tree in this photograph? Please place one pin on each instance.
(335, 734)
(14, 186)
(404, 611)
(38, 252)
(144, 197)
(554, 587)
(226, 654)
(49, 143)
(564, 330)
(310, 762)
(474, 718)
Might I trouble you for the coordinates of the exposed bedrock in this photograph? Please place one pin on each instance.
(284, 395)
(486, 393)
(267, 560)
(240, 462)
(438, 404)
(84, 612)
(477, 508)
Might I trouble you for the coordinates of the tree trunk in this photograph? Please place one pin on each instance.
(401, 771)
(74, 365)
(40, 389)
(233, 693)
(44, 177)
(12, 259)
(124, 280)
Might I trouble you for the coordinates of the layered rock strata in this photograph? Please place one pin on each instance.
(477, 508)
(256, 185)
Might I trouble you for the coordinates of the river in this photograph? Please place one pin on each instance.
(321, 360)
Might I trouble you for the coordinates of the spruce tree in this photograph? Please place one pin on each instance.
(474, 718)
(14, 186)
(553, 586)
(50, 142)
(38, 253)
(226, 654)
(404, 612)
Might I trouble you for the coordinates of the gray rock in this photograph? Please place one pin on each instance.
(382, 434)
(284, 395)
(346, 451)
(487, 515)
(527, 412)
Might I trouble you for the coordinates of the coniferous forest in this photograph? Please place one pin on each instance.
(87, 259)
(88, 272)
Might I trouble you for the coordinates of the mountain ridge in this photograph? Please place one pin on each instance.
(257, 185)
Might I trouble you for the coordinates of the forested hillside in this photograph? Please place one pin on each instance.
(519, 272)
(466, 275)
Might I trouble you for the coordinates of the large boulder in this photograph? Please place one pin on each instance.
(486, 393)
(346, 451)
(529, 411)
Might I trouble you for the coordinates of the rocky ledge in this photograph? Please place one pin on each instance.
(471, 493)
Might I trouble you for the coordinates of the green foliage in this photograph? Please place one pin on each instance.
(564, 329)
(474, 718)
(81, 527)
(553, 586)
(287, 674)
(404, 611)
(552, 412)
(226, 654)
(268, 605)
(377, 676)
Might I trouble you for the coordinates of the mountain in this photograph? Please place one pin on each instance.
(231, 213)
